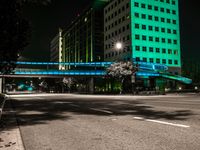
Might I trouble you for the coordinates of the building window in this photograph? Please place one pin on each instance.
(137, 26)
(174, 32)
(170, 61)
(157, 60)
(163, 40)
(151, 60)
(162, 9)
(136, 4)
(157, 39)
(157, 50)
(150, 7)
(150, 38)
(164, 61)
(163, 50)
(156, 8)
(144, 27)
(163, 30)
(143, 5)
(169, 51)
(137, 48)
(145, 59)
(174, 12)
(156, 18)
(144, 49)
(176, 62)
(137, 36)
(174, 21)
(137, 15)
(169, 41)
(144, 38)
(150, 17)
(143, 16)
(162, 19)
(157, 29)
(150, 49)
(168, 11)
(137, 58)
(150, 28)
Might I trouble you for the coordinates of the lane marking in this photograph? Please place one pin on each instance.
(162, 122)
(101, 110)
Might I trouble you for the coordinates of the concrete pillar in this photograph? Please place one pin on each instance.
(1, 85)
(91, 85)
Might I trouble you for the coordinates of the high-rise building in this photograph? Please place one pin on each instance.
(56, 48)
(147, 29)
(83, 39)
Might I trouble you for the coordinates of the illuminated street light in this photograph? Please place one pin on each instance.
(118, 45)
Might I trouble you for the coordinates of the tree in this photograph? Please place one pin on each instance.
(68, 82)
(121, 70)
(14, 32)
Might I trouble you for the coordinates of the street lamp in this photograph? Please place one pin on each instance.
(119, 45)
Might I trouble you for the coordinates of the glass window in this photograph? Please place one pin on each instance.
(150, 7)
(144, 27)
(151, 60)
(144, 37)
(169, 61)
(136, 4)
(150, 49)
(144, 48)
(143, 5)
(137, 15)
(164, 61)
(137, 26)
(157, 60)
(163, 50)
(143, 16)
(151, 28)
(157, 50)
(137, 36)
(137, 48)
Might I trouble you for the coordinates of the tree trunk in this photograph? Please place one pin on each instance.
(122, 84)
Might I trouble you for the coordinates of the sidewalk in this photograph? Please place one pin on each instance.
(10, 137)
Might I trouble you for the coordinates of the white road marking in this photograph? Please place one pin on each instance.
(162, 122)
(101, 110)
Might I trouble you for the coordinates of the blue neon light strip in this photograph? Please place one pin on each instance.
(95, 64)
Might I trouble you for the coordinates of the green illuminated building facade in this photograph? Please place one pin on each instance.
(148, 29)
(83, 39)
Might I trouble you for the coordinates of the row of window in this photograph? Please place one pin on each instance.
(156, 39)
(173, 2)
(118, 31)
(116, 53)
(157, 50)
(114, 5)
(116, 22)
(155, 18)
(155, 8)
(156, 28)
(158, 60)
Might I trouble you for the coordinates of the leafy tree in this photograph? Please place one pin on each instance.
(121, 70)
(14, 32)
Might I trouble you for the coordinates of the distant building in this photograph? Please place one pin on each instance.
(56, 48)
(83, 40)
(147, 29)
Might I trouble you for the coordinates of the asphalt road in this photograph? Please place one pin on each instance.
(84, 122)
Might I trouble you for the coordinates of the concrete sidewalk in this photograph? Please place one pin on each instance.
(10, 137)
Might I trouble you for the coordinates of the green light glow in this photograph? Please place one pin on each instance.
(145, 23)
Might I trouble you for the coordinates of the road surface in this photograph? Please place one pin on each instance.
(86, 122)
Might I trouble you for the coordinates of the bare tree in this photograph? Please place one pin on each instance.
(121, 70)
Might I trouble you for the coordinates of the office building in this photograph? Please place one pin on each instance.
(147, 29)
(56, 48)
(83, 40)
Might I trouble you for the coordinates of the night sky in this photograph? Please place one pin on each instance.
(45, 21)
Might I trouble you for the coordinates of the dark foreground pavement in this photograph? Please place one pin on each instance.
(82, 122)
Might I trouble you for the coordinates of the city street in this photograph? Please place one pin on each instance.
(84, 122)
